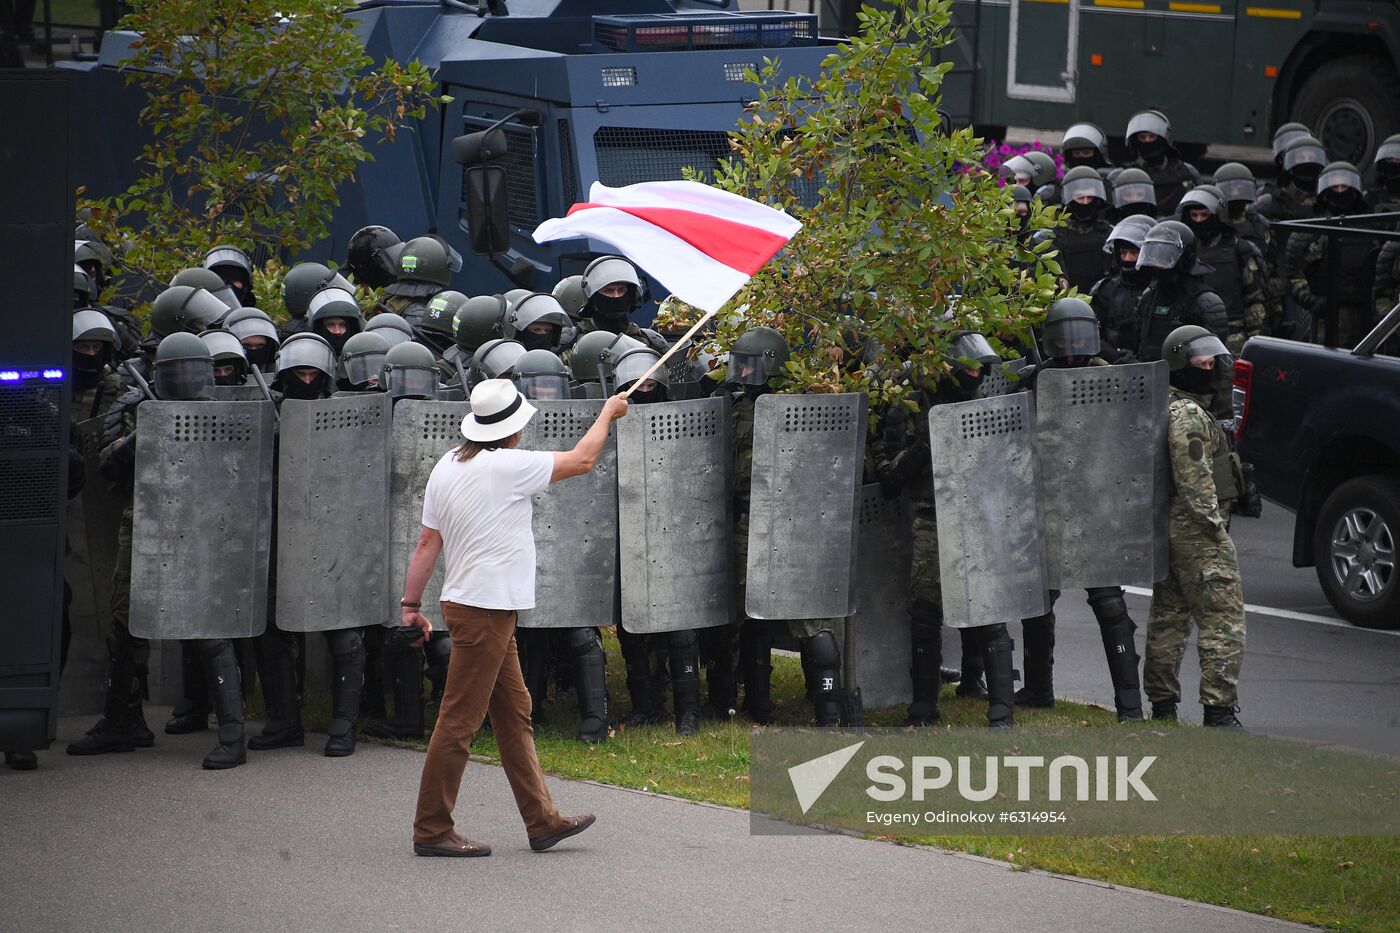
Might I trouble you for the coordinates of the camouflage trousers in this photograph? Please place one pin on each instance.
(1202, 588)
(801, 629)
(924, 575)
(121, 637)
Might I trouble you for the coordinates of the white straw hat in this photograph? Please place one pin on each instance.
(498, 411)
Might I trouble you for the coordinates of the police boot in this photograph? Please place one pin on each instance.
(403, 670)
(277, 667)
(1164, 711)
(191, 714)
(437, 652)
(347, 647)
(534, 668)
(1116, 627)
(925, 663)
(114, 732)
(683, 651)
(1038, 658)
(21, 761)
(756, 655)
(973, 684)
(221, 671)
(637, 657)
(998, 657)
(591, 682)
(717, 651)
(1221, 717)
(823, 657)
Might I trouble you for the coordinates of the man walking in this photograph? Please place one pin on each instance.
(477, 512)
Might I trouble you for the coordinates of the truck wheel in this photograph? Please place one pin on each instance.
(1354, 542)
(1351, 104)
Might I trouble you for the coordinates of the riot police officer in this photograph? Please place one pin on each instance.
(1236, 267)
(1178, 292)
(360, 362)
(230, 359)
(1085, 144)
(96, 260)
(614, 291)
(479, 320)
(537, 322)
(255, 330)
(1081, 240)
(495, 359)
(371, 258)
(1237, 183)
(334, 315)
(1149, 139)
(182, 368)
(299, 285)
(1071, 339)
(391, 327)
(1385, 197)
(1339, 193)
(425, 267)
(1133, 193)
(232, 265)
(1115, 298)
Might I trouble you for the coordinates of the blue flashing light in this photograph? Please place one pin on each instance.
(29, 375)
(53, 374)
(9, 375)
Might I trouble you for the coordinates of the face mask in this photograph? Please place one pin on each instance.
(654, 395)
(756, 391)
(533, 341)
(1084, 213)
(295, 388)
(1132, 275)
(1195, 380)
(262, 357)
(1205, 229)
(1341, 202)
(1305, 178)
(603, 306)
(962, 387)
(87, 370)
(1388, 174)
(612, 323)
(1152, 151)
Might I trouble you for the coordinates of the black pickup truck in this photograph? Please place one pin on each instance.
(1322, 427)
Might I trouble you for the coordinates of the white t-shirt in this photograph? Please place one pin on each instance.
(482, 508)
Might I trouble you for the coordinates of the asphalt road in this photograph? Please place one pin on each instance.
(1304, 669)
(296, 841)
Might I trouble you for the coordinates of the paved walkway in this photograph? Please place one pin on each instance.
(295, 841)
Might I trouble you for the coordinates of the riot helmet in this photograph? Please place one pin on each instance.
(210, 281)
(1236, 182)
(537, 321)
(541, 375)
(613, 290)
(1339, 189)
(1169, 246)
(229, 357)
(255, 330)
(183, 367)
(232, 265)
(1303, 160)
(371, 257)
(1084, 144)
(629, 366)
(1200, 210)
(335, 315)
(1198, 361)
(494, 359)
(96, 260)
(304, 280)
(182, 307)
(1045, 168)
(409, 371)
(83, 292)
(361, 360)
(1387, 163)
(94, 346)
(432, 324)
(1019, 170)
(393, 328)
(1082, 194)
(427, 260)
(969, 346)
(1070, 335)
(516, 294)
(1021, 202)
(1149, 136)
(1124, 243)
(1284, 137)
(757, 356)
(479, 319)
(586, 357)
(305, 366)
(569, 294)
(1133, 193)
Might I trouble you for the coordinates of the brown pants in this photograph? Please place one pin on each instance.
(483, 676)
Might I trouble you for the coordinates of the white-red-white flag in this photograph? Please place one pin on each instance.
(700, 242)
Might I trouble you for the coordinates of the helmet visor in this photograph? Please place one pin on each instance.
(254, 327)
(747, 369)
(204, 308)
(178, 380)
(412, 382)
(1134, 194)
(1204, 347)
(392, 335)
(1237, 189)
(1072, 337)
(544, 386)
(1304, 155)
(635, 365)
(1130, 231)
(1093, 187)
(974, 347)
(500, 359)
(1159, 254)
(1149, 121)
(1283, 140)
(363, 367)
(1339, 176)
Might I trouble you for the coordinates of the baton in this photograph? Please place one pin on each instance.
(267, 393)
(667, 355)
(140, 382)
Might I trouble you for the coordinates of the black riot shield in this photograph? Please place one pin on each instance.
(333, 512)
(1101, 439)
(575, 525)
(673, 515)
(202, 527)
(991, 559)
(808, 456)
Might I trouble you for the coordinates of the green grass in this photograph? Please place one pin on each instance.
(1344, 883)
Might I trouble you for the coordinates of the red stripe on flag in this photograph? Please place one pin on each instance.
(737, 245)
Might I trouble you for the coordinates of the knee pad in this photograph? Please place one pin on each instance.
(821, 650)
(682, 644)
(582, 641)
(1108, 603)
(345, 642)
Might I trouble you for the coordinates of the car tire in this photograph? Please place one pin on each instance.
(1354, 542)
(1352, 103)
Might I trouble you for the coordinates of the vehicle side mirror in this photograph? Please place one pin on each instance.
(488, 212)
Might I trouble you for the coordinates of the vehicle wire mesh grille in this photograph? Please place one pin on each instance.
(522, 194)
(669, 32)
(29, 454)
(567, 168)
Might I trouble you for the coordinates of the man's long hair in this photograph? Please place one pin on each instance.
(469, 449)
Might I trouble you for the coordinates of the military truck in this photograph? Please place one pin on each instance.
(621, 91)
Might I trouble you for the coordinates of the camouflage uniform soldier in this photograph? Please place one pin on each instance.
(1203, 577)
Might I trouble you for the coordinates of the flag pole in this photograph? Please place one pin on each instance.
(667, 355)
